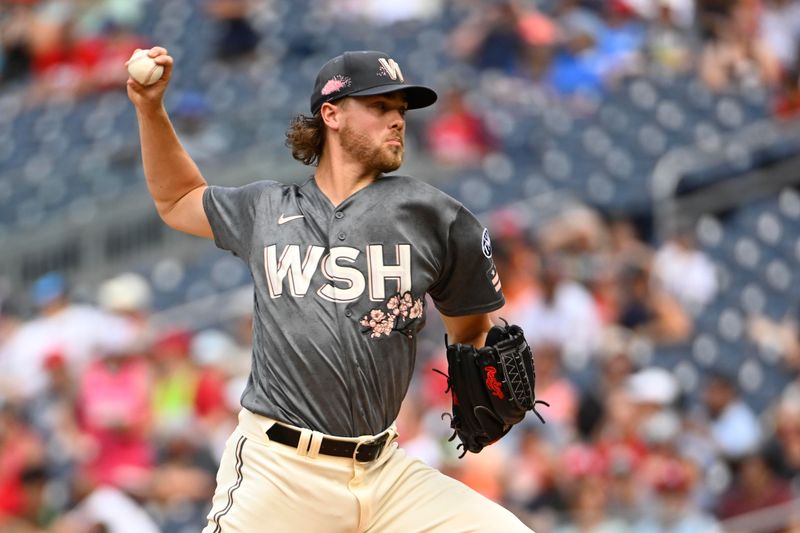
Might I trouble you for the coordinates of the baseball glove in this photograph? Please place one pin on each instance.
(492, 388)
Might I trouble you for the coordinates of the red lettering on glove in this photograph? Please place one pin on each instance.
(491, 382)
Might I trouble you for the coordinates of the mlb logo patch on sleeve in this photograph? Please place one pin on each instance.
(486, 244)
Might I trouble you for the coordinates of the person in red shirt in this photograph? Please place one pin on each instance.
(458, 136)
(212, 350)
(21, 450)
(756, 487)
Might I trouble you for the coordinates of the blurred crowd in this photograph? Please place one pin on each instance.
(111, 418)
(106, 419)
(580, 46)
(67, 49)
(578, 49)
(629, 445)
(63, 49)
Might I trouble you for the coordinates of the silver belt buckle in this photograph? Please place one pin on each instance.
(382, 440)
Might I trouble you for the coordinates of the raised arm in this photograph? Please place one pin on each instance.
(174, 181)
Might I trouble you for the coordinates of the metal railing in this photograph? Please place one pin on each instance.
(748, 181)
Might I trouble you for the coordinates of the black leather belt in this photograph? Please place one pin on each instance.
(364, 452)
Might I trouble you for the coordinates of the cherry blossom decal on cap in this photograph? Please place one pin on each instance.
(335, 84)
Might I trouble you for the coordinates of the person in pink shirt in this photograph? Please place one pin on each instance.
(115, 410)
(554, 387)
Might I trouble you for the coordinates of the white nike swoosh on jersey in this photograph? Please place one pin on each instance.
(283, 220)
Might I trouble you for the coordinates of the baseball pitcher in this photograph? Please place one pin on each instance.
(341, 265)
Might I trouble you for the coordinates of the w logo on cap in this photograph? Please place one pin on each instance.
(389, 67)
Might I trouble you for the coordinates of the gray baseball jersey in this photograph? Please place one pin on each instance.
(340, 292)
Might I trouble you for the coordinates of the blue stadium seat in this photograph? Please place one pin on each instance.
(789, 203)
(769, 228)
(729, 113)
(643, 94)
(671, 116)
(709, 232)
(556, 165)
(747, 253)
(752, 298)
(705, 349)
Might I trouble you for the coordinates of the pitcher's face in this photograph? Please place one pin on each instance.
(373, 131)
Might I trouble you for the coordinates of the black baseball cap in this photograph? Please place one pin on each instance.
(365, 73)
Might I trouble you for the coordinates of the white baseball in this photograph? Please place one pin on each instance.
(144, 69)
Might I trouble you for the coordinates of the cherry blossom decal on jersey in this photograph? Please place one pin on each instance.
(335, 84)
(397, 314)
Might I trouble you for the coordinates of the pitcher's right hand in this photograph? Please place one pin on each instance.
(151, 97)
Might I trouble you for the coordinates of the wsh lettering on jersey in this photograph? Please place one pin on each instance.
(295, 270)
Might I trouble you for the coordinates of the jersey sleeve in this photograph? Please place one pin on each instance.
(231, 212)
(468, 283)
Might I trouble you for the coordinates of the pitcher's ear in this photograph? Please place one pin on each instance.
(331, 114)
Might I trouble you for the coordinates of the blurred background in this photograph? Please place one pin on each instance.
(638, 165)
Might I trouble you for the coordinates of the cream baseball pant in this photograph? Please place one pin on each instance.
(265, 486)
